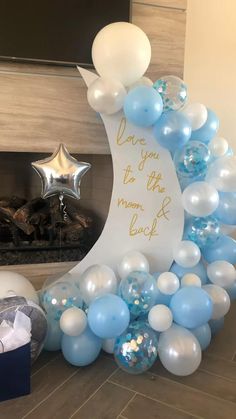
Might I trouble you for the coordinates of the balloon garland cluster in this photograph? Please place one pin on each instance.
(137, 315)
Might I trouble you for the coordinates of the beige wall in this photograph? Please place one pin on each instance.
(210, 59)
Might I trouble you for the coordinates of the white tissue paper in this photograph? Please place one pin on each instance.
(13, 336)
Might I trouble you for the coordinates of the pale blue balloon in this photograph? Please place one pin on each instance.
(216, 325)
(143, 106)
(81, 350)
(223, 249)
(108, 316)
(226, 210)
(203, 335)
(191, 307)
(172, 130)
(208, 130)
(54, 335)
(198, 270)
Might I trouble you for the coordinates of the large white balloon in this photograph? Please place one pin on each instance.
(187, 254)
(121, 51)
(222, 174)
(200, 199)
(218, 147)
(220, 299)
(179, 351)
(168, 283)
(73, 321)
(97, 280)
(221, 273)
(132, 261)
(106, 95)
(12, 283)
(160, 317)
(196, 114)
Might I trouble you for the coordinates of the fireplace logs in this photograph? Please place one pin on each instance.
(39, 225)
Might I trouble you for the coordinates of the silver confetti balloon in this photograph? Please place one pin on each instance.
(61, 173)
(179, 351)
(97, 280)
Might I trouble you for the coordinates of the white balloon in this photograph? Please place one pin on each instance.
(220, 299)
(106, 95)
(97, 280)
(221, 273)
(108, 345)
(144, 81)
(200, 199)
(73, 321)
(187, 254)
(191, 280)
(121, 51)
(218, 146)
(12, 283)
(179, 351)
(222, 174)
(168, 283)
(132, 261)
(160, 317)
(196, 114)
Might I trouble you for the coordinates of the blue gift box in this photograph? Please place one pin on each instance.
(15, 373)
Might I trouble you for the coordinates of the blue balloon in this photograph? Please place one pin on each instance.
(108, 316)
(203, 335)
(231, 291)
(226, 210)
(172, 130)
(139, 291)
(223, 249)
(216, 325)
(191, 307)
(54, 335)
(143, 106)
(198, 270)
(192, 160)
(81, 350)
(136, 349)
(204, 231)
(208, 130)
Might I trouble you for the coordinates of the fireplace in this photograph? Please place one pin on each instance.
(33, 230)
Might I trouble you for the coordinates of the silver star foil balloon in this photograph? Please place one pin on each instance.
(61, 173)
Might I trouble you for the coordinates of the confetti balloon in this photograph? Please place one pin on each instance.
(139, 292)
(136, 349)
(192, 160)
(203, 231)
(173, 92)
(59, 297)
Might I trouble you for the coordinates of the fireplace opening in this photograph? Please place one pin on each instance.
(34, 230)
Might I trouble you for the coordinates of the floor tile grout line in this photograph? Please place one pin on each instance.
(231, 380)
(51, 393)
(45, 365)
(93, 394)
(212, 355)
(127, 404)
(159, 401)
(192, 388)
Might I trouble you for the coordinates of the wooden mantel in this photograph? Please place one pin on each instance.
(41, 106)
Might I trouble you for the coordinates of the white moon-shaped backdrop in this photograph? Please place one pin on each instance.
(145, 211)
